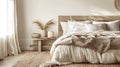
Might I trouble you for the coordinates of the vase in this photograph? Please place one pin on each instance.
(50, 34)
(43, 33)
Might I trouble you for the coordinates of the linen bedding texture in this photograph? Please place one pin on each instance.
(92, 47)
(71, 26)
(74, 26)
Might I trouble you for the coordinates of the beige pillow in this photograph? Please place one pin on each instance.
(95, 27)
(111, 25)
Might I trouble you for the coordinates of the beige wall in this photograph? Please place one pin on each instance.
(30, 10)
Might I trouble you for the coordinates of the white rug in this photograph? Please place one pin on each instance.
(33, 59)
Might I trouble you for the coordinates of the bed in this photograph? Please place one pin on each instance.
(95, 39)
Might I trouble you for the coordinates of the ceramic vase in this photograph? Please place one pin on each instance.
(43, 33)
(50, 34)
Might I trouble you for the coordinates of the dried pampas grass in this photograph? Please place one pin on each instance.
(38, 24)
(48, 24)
(44, 27)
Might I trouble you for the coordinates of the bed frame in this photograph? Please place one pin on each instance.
(82, 18)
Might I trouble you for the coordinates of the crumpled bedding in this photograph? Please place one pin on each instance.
(92, 47)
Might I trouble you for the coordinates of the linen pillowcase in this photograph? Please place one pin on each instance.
(95, 27)
(74, 26)
(79, 28)
(64, 27)
(111, 25)
(114, 25)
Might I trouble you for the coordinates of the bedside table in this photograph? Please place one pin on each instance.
(42, 43)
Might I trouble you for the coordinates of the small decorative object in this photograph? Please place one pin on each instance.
(36, 35)
(50, 34)
(43, 27)
(43, 33)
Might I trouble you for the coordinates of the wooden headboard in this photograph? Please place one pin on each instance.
(82, 18)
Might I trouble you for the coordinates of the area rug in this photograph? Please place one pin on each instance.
(33, 59)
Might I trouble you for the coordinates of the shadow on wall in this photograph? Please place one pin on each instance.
(100, 11)
(99, 8)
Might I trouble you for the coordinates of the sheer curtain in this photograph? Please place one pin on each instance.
(9, 44)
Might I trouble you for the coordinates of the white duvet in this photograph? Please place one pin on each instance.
(66, 54)
(64, 51)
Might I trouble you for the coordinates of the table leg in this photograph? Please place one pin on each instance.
(39, 46)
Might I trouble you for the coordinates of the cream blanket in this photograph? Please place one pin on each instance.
(93, 47)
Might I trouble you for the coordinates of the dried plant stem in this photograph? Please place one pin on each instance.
(44, 27)
(38, 24)
(48, 24)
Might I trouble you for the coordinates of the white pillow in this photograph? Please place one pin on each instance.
(74, 26)
(95, 27)
(79, 28)
(64, 27)
(111, 25)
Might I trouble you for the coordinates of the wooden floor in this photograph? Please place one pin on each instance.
(10, 61)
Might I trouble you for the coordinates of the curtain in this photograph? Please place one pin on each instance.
(9, 44)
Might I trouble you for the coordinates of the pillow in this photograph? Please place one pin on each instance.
(111, 25)
(79, 28)
(114, 26)
(74, 26)
(95, 27)
(64, 27)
